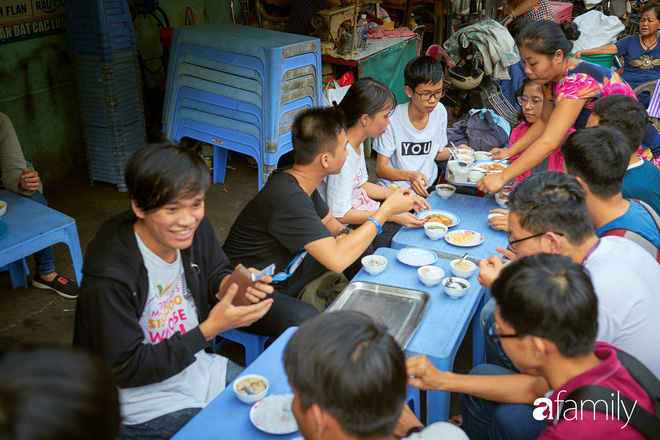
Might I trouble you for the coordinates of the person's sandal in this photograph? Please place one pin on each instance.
(65, 287)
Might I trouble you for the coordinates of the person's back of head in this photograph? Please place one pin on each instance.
(56, 394)
(599, 157)
(552, 201)
(624, 113)
(549, 296)
(517, 26)
(546, 37)
(351, 368)
(160, 173)
(315, 131)
(422, 70)
(366, 97)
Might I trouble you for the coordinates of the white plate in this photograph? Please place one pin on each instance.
(273, 414)
(416, 257)
(476, 238)
(490, 162)
(454, 218)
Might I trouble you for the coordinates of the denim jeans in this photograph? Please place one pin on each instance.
(484, 419)
(495, 354)
(44, 259)
(165, 426)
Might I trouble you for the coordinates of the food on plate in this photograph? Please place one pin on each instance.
(492, 167)
(462, 237)
(251, 385)
(439, 218)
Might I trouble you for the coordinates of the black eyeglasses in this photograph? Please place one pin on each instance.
(427, 95)
(495, 337)
(512, 243)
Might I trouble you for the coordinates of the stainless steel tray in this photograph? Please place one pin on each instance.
(400, 310)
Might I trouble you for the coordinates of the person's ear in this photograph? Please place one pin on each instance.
(324, 158)
(321, 420)
(409, 91)
(139, 213)
(583, 184)
(553, 242)
(365, 119)
(559, 56)
(539, 348)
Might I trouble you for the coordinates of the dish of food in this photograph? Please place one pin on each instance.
(251, 385)
(491, 166)
(464, 265)
(273, 414)
(447, 218)
(416, 257)
(464, 238)
(503, 196)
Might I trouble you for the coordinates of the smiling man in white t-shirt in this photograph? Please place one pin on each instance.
(417, 134)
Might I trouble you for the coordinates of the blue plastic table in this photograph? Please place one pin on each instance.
(228, 418)
(33, 227)
(473, 212)
(444, 325)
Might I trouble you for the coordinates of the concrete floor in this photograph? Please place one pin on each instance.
(40, 316)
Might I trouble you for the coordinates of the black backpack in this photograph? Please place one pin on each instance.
(642, 420)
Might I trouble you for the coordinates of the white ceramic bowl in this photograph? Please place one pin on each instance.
(430, 275)
(502, 198)
(494, 214)
(445, 190)
(3, 207)
(457, 288)
(253, 383)
(374, 264)
(466, 158)
(465, 271)
(464, 151)
(476, 174)
(483, 155)
(435, 230)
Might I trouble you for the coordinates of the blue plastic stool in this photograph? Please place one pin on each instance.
(18, 270)
(413, 400)
(254, 344)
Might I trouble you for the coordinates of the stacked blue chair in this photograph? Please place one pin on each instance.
(103, 47)
(239, 88)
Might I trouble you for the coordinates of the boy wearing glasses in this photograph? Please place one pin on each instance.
(417, 134)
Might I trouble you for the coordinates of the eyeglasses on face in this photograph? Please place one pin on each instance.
(512, 243)
(495, 337)
(532, 102)
(427, 95)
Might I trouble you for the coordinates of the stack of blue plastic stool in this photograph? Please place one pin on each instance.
(103, 47)
(239, 88)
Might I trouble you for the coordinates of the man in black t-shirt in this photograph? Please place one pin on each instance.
(288, 217)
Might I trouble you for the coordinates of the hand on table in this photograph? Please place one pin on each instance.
(408, 219)
(489, 270)
(420, 203)
(226, 316)
(423, 375)
(28, 180)
(399, 201)
(491, 183)
(464, 147)
(419, 182)
(407, 420)
(499, 222)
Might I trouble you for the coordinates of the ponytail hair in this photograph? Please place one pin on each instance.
(366, 97)
(547, 37)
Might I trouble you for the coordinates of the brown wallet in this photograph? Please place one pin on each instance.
(243, 278)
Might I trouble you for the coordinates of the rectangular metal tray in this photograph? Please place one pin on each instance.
(400, 310)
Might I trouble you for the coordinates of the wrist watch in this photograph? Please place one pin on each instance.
(346, 231)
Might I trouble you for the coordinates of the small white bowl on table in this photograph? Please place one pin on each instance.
(481, 156)
(3, 207)
(455, 287)
(252, 397)
(476, 174)
(465, 158)
(445, 190)
(430, 275)
(374, 264)
(435, 230)
(466, 269)
(502, 198)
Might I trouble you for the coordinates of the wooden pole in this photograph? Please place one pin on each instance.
(355, 20)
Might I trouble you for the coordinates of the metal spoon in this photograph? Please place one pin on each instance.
(463, 258)
(451, 152)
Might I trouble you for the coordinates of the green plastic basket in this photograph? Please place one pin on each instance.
(601, 60)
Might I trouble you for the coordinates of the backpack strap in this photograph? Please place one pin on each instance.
(651, 211)
(635, 237)
(640, 419)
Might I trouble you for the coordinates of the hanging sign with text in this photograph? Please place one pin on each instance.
(25, 19)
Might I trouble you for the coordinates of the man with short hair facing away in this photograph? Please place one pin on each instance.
(417, 134)
(598, 158)
(642, 178)
(546, 319)
(348, 377)
(548, 214)
(151, 275)
(288, 224)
